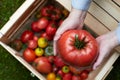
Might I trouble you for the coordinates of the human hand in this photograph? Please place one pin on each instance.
(73, 21)
(106, 43)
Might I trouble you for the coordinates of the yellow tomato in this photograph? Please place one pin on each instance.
(51, 76)
(39, 51)
(42, 42)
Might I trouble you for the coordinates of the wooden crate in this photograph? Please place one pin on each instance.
(103, 15)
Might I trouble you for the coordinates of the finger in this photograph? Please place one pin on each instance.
(98, 62)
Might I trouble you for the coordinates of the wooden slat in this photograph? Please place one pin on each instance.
(102, 16)
(102, 70)
(110, 7)
(95, 25)
(117, 2)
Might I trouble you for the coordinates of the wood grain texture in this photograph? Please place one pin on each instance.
(102, 16)
(117, 2)
(110, 7)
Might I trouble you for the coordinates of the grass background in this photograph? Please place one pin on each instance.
(10, 68)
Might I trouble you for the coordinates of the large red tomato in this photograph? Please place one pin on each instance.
(78, 48)
(43, 65)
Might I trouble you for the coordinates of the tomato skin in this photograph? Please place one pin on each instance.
(29, 55)
(45, 11)
(65, 69)
(42, 42)
(26, 36)
(84, 74)
(76, 77)
(51, 76)
(60, 73)
(70, 52)
(32, 44)
(67, 76)
(39, 51)
(51, 29)
(58, 62)
(43, 65)
(46, 36)
(42, 23)
(56, 14)
(34, 27)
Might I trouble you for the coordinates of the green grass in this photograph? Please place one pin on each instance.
(10, 68)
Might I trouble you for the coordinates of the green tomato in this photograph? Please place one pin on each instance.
(58, 78)
(65, 69)
(49, 51)
(39, 51)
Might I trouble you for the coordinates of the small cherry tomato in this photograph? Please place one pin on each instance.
(58, 78)
(51, 29)
(51, 76)
(65, 69)
(42, 42)
(29, 55)
(49, 51)
(39, 51)
(84, 74)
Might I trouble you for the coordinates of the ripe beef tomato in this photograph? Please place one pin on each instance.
(78, 48)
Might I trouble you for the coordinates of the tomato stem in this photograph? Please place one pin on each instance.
(79, 44)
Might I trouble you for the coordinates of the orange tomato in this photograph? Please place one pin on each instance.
(51, 76)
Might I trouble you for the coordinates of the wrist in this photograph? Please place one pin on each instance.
(81, 4)
(78, 14)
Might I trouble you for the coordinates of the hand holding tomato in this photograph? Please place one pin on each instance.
(104, 50)
(73, 21)
(80, 49)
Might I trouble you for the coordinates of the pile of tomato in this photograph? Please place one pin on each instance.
(37, 47)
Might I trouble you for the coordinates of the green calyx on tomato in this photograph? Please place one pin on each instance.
(49, 51)
(65, 69)
(79, 44)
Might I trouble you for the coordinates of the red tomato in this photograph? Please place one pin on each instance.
(35, 38)
(51, 29)
(46, 36)
(27, 35)
(84, 74)
(42, 23)
(76, 77)
(43, 65)
(56, 14)
(58, 62)
(78, 48)
(34, 27)
(60, 73)
(67, 76)
(29, 55)
(32, 44)
(47, 10)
